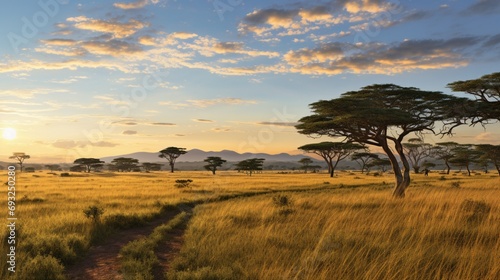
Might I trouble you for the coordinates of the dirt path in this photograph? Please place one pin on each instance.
(102, 261)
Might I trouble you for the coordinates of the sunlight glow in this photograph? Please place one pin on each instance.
(9, 133)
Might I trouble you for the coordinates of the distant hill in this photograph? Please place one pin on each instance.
(196, 155)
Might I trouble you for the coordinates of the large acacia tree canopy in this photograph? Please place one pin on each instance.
(368, 113)
(486, 90)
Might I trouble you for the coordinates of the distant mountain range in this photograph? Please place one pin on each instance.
(196, 155)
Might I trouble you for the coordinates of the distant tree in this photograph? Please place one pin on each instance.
(87, 164)
(123, 164)
(382, 163)
(490, 153)
(306, 163)
(417, 150)
(250, 165)
(171, 154)
(20, 157)
(77, 168)
(383, 116)
(486, 91)
(30, 169)
(465, 156)
(444, 151)
(364, 159)
(148, 166)
(53, 167)
(213, 163)
(332, 152)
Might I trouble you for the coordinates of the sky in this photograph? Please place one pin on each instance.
(102, 78)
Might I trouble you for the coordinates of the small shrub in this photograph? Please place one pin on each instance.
(65, 174)
(183, 183)
(42, 268)
(326, 183)
(282, 200)
(94, 213)
(442, 178)
(455, 184)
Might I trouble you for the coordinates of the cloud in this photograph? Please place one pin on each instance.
(203, 121)
(293, 21)
(487, 138)
(163, 124)
(203, 103)
(30, 93)
(68, 144)
(71, 144)
(72, 64)
(278, 123)
(104, 144)
(133, 5)
(59, 42)
(132, 122)
(410, 55)
(483, 7)
(170, 39)
(129, 132)
(492, 41)
(112, 47)
(117, 29)
(369, 6)
(220, 129)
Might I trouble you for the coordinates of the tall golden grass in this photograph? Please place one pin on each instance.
(438, 232)
(334, 226)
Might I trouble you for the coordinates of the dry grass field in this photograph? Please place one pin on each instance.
(294, 226)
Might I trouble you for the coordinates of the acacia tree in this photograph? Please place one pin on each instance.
(491, 153)
(88, 163)
(465, 156)
(364, 159)
(332, 152)
(444, 152)
(213, 163)
(306, 163)
(381, 115)
(250, 165)
(417, 150)
(20, 157)
(53, 167)
(486, 91)
(381, 163)
(171, 154)
(148, 166)
(123, 164)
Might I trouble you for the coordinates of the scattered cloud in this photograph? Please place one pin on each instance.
(378, 58)
(30, 93)
(220, 129)
(117, 29)
(278, 123)
(203, 103)
(129, 132)
(488, 138)
(133, 5)
(483, 7)
(203, 121)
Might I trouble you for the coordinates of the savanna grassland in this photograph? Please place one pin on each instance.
(265, 226)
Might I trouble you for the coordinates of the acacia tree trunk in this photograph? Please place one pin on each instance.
(400, 191)
(171, 167)
(448, 167)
